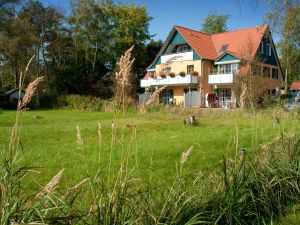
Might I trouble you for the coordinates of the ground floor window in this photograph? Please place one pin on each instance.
(187, 90)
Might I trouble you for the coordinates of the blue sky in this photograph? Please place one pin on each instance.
(191, 13)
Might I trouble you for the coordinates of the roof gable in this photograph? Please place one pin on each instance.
(226, 57)
(199, 41)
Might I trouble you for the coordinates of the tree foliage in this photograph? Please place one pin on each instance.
(215, 24)
(284, 19)
(76, 53)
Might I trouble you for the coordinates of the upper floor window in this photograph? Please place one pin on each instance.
(228, 68)
(190, 69)
(262, 47)
(167, 70)
(269, 50)
(266, 71)
(256, 70)
(274, 73)
(182, 48)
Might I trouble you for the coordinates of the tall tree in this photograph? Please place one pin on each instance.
(284, 19)
(215, 24)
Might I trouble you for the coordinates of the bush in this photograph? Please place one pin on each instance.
(80, 102)
(269, 101)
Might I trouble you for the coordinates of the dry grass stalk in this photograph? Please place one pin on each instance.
(153, 98)
(51, 186)
(186, 155)
(79, 139)
(30, 91)
(124, 76)
(99, 134)
(74, 189)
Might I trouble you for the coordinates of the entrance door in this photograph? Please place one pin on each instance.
(224, 97)
(166, 96)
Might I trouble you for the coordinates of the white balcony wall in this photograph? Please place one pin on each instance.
(229, 78)
(176, 57)
(170, 81)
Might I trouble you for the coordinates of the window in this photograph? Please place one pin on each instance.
(228, 68)
(266, 71)
(274, 73)
(223, 48)
(190, 69)
(167, 70)
(262, 47)
(269, 50)
(183, 48)
(256, 70)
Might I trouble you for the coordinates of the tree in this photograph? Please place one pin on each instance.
(284, 19)
(215, 24)
(130, 25)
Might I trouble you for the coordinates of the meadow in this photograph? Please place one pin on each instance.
(147, 146)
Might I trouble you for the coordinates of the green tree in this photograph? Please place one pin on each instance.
(215, 24)
(284, 19)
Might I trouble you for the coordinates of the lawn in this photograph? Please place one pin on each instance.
(49, 140)
(147, 146)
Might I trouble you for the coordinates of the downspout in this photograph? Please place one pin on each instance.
(201, 83)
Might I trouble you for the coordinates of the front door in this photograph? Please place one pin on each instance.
(224, 95)
(166, 96)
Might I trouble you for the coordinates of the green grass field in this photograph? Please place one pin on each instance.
(49, 139)
(154, 142)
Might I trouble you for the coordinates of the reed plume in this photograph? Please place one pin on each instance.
(74, 189)
(186, 155)
(31, 91)
(51, 186)
(79, 139)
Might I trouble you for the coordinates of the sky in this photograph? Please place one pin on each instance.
(191, 13)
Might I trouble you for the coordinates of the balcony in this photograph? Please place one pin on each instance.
(226, 78)
(170, 81)
(177, 57)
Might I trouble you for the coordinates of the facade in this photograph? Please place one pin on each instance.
(209, 68)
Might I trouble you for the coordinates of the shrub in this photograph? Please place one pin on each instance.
(182, 73)
(172, 74)
(195, 73)
(80, 102)
(269, 101)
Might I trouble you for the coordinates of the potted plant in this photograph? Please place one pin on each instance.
(182, 73)
(195, 73)
(151, 74)
(162, 75)
(172, 74)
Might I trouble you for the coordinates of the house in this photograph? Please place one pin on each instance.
(10, 98)
(295, 88)
(198, 68)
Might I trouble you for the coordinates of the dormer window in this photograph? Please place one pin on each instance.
(223, 48)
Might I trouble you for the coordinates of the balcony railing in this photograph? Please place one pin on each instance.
(226, 78)
(177, 57)
(170, 81)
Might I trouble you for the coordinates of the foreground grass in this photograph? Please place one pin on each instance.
(49, 139)
(222, 189)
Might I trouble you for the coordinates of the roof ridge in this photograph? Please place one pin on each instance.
(193, 30)
(247, 28)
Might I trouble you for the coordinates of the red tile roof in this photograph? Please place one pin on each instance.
(295, 86)
(239, 41)
(199, 41)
